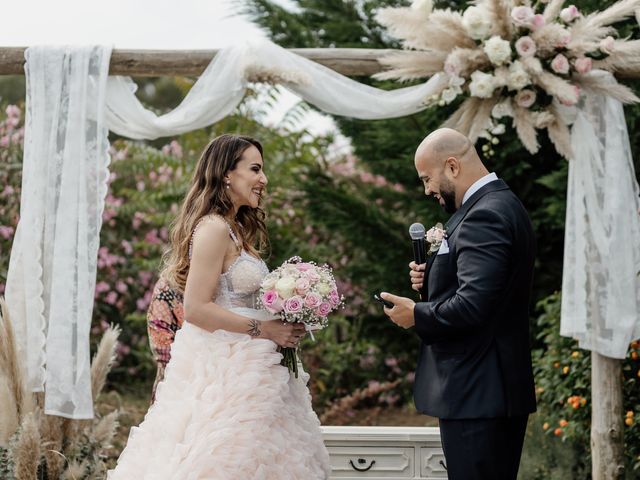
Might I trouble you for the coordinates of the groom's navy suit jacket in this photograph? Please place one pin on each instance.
(475, 359)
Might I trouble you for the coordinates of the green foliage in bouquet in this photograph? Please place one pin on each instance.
(563, 382)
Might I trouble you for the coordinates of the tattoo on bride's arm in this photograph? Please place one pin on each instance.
(254, 328)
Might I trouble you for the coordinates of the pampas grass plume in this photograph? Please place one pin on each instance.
(103, 359)
(26, 450)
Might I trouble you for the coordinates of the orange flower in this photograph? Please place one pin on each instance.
(575, 354)
(557, 432)
(565, 370)
(540, 389)
(634, 355)
(630, 413)
(635, 344)
(556, 365)
(563, 423)
(628, 421)
(545, 426)
(583, 401)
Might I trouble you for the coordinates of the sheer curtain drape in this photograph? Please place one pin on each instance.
(601, 286)
(52, 270)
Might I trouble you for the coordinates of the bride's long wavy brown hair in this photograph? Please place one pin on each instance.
(208, 195)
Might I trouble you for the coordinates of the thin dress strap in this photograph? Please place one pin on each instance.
(207, 219)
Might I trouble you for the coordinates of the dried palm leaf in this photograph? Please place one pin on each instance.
(615, 13)
(103, 359)
(560, 135)
(607, 86)
(463, 118)
(500, 13)
(482, 121)
(411, 65)
(524, 123)
(469, 60)
(404, 24)
(9, 420)
(556, 86)
(552, 10)
(448, 30)
(26, 450)
(624, 58)
(548, 38)
(585, 38)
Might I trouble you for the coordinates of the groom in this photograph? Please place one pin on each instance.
(474, 371)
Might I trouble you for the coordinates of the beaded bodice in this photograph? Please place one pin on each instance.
(239, 286)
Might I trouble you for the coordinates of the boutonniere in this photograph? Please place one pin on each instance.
(435, 235)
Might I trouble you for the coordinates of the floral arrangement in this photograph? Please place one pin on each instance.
(301, 292)
(517, 59)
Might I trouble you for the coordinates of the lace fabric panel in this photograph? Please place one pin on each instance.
(52, 274)
(240, 285)
(601, 286)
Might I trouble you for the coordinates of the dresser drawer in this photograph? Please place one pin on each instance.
(352, 461)
(431, 461)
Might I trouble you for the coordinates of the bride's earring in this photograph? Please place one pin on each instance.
(228, 184)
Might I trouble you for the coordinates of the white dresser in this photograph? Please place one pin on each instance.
(385, 452)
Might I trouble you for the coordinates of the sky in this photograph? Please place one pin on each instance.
(140, 24)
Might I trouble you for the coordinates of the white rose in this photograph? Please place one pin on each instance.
(501, 77)
(518, 77)
(455, 81)
(268, 283)
(476, 22)
(526, 47)
(285, 287)
(450, 94)
(324, 288)
(502, 109)
(498, 50)
(482, 84)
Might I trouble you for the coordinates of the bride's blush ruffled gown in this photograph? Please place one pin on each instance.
(227, 409)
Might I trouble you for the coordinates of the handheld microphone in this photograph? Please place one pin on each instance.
(417, 232)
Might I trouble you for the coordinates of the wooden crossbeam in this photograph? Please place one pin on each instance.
(155, 63)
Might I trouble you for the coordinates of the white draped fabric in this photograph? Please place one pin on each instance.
(70, 104)
(52, 270)
(601, 282)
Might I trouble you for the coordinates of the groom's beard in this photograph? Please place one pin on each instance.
(448, 195)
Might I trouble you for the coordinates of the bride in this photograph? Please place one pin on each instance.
(226, 409)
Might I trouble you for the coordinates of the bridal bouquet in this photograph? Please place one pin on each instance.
(300, 292)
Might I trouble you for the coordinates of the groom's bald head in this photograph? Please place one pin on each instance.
(448, 164)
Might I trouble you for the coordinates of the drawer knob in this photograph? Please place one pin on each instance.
(362, 461)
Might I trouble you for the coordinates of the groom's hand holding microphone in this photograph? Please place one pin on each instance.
(401, 310)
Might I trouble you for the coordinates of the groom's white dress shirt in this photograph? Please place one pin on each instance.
(478, 184)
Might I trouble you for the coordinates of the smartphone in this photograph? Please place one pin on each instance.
(386, 303)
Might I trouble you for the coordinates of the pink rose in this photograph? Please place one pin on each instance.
(334, 298)
(583, 65)
(522, 16)
(538, 22)
(312, 300)
(572, 99)
(303, 267)
(293, 304)
(302, 285)
(323, 309)
(607, 44)
(525, 98)
(526, 47)
(569, 14)
(560, 64)
(271, 301)
(312, 275)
